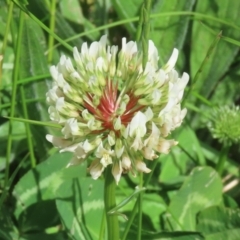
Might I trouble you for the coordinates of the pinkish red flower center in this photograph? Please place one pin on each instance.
(106, 111)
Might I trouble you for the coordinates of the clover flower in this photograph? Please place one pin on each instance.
(112, 109)
(224, 125)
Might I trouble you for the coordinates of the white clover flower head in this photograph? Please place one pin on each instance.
(111, 109)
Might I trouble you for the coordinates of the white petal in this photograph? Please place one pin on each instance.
(76, 55)
(54, 72)
(165, 145)
(117, 171)
(138, 124)
(70, 128)
(60, 103)
(96, 169)
(84, 49)
(148, 114)
(58, 141)
(141, 166)
(126, 162)
(172, 61)
(54, 114)
(152, 53)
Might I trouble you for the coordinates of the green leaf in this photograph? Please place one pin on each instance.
(228, 91)
(174, 165)
(44, 236)
(170, 31)
(7, 229)
(80, 204)
(229, 201)
(37, 188)
(223, 56)
(219, 223)
(201, 189)
(168, 236)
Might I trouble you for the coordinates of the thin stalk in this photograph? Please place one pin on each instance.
(146, 30)
(199, 16)
(222, 159)
(102, 229)
(134, 211)
(52, 28)
(27, 127)
(140, 24)
(7, 105)
(14, 91)
(140, 200)
(110, 202)
(5, 39)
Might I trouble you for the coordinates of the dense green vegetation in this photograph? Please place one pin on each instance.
(193, 192)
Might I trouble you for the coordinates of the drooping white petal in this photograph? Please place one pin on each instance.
(96, 169)
(164, 145)
(117, 171)
(126, 162)
(58, 141)
(141, 167)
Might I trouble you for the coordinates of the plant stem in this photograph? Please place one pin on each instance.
(222, 159)
(140, 23)
(134, 211)
(103, 225)
(14, 93)
(52, 28)
(110, 202)
(140, 199)
(145, 30)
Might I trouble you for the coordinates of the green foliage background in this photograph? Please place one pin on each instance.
(186, 197)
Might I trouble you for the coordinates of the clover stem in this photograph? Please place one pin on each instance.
(110, 203)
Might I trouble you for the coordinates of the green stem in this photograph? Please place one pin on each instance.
(146, 30)
(110, 202)
(199, 16)
(102, 229)
(222, 159)
(134, 211)
(51, 27)
(14, 93)
(140, 23)
(140, 200)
